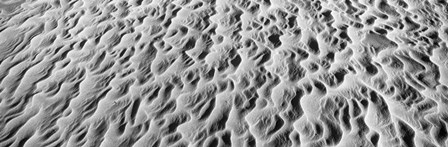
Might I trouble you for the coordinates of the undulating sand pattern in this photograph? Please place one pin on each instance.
(221, 73)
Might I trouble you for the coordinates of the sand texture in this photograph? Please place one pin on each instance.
(223, 73)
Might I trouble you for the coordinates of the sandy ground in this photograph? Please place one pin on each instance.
(240, 73)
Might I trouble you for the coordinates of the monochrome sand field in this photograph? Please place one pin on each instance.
(239, 73)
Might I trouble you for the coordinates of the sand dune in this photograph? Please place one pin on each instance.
(240, 73)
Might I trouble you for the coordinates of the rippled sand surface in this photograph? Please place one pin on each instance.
(209, 73)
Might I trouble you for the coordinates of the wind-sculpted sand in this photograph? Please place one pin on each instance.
(209, 73)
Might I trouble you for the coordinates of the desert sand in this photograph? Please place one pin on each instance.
(227, 73)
